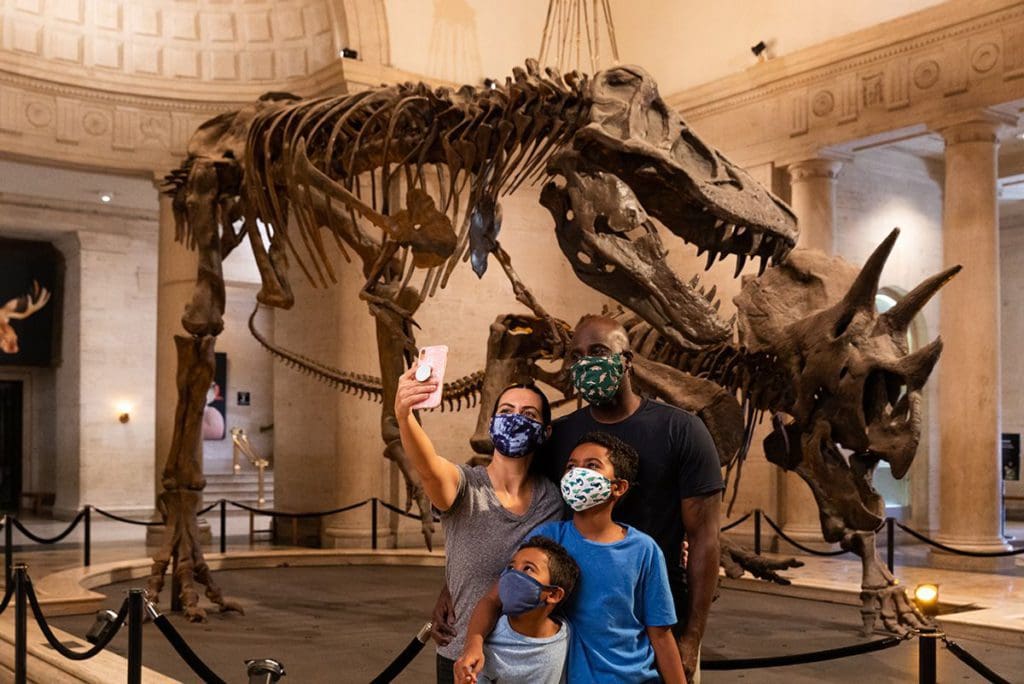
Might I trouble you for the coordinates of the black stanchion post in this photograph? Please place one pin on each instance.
(87, 541)
(20, 624)
(135, 606)
(373, 522)
(890, 543)
(926, 639)
(224, 526)
(757, 531)
(8, 550)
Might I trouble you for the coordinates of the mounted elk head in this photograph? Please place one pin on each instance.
(18, 309)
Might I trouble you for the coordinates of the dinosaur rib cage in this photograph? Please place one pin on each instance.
(465, 389)
(345, 163)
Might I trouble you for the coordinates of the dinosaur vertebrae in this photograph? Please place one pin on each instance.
(453, 394)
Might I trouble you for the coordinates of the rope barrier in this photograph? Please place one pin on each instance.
(959, 552)
(972, 662)
(396, 509)
(802, 658)
(207, 509)
(55, 642)
(185, 651)
(286, 514)
(49, 540)
(403, 659)
(805, 549)
(734, 523)
(7, 597)
(118, 518)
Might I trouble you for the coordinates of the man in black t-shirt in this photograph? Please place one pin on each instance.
(679, 483)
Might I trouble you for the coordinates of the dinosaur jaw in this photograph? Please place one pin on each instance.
(708, 202)
(606, 235)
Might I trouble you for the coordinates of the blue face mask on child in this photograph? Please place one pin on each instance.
(515, 435)
(519, 592)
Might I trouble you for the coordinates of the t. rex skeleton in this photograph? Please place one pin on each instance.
(389, 173)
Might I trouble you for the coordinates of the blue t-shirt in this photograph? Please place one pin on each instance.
(513, 658)
(623, 589)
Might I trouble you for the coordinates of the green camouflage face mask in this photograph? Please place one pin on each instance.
(597, 378)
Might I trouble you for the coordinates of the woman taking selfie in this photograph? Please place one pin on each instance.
(486, 511)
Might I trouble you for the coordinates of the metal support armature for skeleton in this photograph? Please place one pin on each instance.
(408, 179)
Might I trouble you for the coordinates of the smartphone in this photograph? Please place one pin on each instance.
(432, 364)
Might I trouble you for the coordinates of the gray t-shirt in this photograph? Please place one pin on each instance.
(480, 537)
(513, 658)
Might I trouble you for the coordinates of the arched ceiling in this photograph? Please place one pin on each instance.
(192, 49)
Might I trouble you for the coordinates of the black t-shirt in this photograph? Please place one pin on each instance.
(678, 459)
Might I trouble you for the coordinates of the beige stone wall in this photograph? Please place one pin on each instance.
(1011, 237)
(682, 44)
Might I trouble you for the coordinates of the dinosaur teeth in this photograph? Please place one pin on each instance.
(741, 259)
(727, 232)
(717, 304)
(694, 280)
(712, 255)
(711, 293)
(755, 242)
(764, 264)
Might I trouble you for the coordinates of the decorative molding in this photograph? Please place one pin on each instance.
(810, 169)
(957, 56)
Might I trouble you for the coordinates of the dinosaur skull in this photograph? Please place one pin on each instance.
(850, 367)
(633, 157)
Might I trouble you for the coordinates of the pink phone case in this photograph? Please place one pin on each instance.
(437, 358)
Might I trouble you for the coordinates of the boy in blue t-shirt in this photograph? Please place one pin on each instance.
(529, 645)
(622, 610)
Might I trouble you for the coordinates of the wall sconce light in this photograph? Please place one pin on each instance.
(106, 197)
(348, 53)
(926, 596)
(124, 411)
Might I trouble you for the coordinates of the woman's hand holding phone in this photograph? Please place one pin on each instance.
(411, 392)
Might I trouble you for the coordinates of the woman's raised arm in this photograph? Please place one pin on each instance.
(440, 476)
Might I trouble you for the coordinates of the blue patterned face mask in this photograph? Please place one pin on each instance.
(583, 488)
(515, 435)
(519, 592)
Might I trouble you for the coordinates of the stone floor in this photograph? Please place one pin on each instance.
(358, 621)
(344, 624)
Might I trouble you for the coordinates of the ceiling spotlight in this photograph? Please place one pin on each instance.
(759, 49)
(106, 197)
(926, 596)
(348, 53)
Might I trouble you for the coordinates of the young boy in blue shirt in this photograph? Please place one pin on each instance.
(622, 611)
(529, 645)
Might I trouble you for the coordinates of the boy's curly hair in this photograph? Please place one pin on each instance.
(565, 573)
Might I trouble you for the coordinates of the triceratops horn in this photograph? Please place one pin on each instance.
(918, 366)
(862, 292)
(900, 315)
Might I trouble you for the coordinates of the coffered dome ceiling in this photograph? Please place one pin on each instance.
(193, 49)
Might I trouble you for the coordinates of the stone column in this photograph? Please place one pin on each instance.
(970, 506)
(176, 275)
(813, 198)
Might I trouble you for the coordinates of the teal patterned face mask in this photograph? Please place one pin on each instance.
(597, 378)
(583, 488)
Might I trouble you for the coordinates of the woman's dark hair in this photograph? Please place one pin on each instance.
(545, 405)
